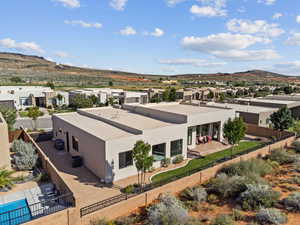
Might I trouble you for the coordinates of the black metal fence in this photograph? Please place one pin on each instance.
(36, 210)
(113, 200)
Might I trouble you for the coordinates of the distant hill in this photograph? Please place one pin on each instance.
(40, 70)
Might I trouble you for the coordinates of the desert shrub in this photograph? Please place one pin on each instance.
(18, 145)
(168, 211)
(292, 202)
(125, 221)
(194, 194)
(223, 219)
(257, 196)
(101, 222)
(178, 159)
(131, 188)
(294, 180)
(227, 187)
(193, 221)
(244, 168)
(281, 156)
(237, 215)
(165, 162)
(212, 198)
(25, 155)
(296, 145)
(271, 216)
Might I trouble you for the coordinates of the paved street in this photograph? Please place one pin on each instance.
(44, 122)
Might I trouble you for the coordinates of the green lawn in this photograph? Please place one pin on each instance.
(56, 111)
(23, 113)
(196, 163)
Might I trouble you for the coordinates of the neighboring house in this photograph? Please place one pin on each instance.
(257, 115)
(104, 94)
(4, 145)
(22, 97)
(184, 94)
(64, 98)
(293, 105)
(104, 137)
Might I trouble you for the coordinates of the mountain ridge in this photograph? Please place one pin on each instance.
(37, 68)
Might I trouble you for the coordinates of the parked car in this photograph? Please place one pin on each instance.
(59, 144)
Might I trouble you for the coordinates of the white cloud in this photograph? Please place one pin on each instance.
(21, 46)
(207, 11)
(230, 46)
(192, 62)
(277, 16)
(248, 55)
(83, 24)
(292, 67)
(118, 4)
(253, 27)
(221, 42)
(156, 33)
(174, 2)
(70, 3)
(127, 31)
(62, 54)
(298, 19)
(267, 2)
(210, 8)
(294, 39)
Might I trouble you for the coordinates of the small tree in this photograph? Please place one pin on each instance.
(34, 113)
(94, 99)
(50, 84)
(172, 94)
(234, 131)
(16, 80)
(210, 95)
(80, 101)
(10, 116)
(296, 127)
(282, 119)
(143, 161)
(110, 83)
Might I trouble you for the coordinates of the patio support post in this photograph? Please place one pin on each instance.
(200, 177)
(146, 199)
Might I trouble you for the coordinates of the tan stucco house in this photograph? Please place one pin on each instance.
(104, 137)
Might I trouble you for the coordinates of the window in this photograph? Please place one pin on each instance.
(125, 159)
(176, 147)
(75, 144)
(190, 135)
(159, 152)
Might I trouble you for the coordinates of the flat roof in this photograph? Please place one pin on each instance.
(275, 101)
(184, 109)
(95, 127)
(127, 118)
(243, 108)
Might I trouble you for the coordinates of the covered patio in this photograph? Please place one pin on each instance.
(207, 148)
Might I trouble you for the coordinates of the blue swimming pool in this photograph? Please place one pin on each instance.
(14, 213)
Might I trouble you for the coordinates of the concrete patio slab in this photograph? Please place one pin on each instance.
(85, 186)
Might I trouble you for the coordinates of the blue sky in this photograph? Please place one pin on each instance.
(157, 36)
